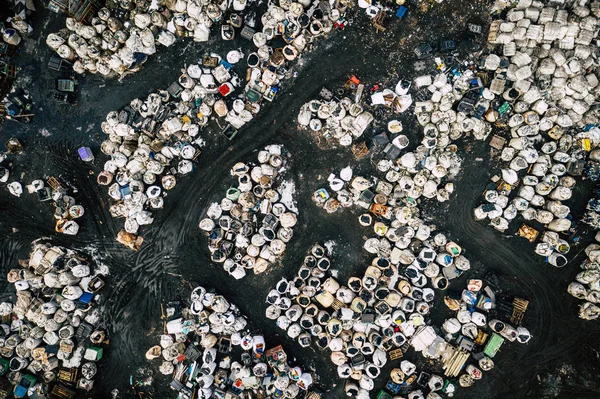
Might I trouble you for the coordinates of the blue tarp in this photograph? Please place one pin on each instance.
(401, 11)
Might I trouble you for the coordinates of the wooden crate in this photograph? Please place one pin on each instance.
(52, 182)
(68, 376)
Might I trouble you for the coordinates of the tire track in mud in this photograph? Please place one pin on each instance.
(173, 244)
(551, 309)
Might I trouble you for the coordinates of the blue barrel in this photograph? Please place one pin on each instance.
(85, 154)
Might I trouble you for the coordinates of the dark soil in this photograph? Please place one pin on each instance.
(560, 361)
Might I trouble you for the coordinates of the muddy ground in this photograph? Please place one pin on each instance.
(560, 361)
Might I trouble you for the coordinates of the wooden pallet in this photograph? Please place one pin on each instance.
(68, 376)
(61, 392)
(519, 308)
(396, 354)
(378, 21)
(11, 71)
(196, 155)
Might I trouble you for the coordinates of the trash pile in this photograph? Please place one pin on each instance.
(529, 199)
(345, 120)
(315, 306)
(470, 348)
(538, 199)
(373, 315)
(52, 335)
(407, 380)
(124, 34)
(16, 25)
(197, 351)
(548, 56)
(441, 123)
(154, 140)
(250, 227)
(65, 208)
(587, 283)
(414, 175)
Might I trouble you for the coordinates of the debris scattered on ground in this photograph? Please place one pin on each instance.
(14, 26)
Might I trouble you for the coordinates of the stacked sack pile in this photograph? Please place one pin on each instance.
(196, 351)
(55, 322)
(542, 90)
(343, 120)
(250, 227)
(587, 283)
(121, 36)
(407, 379)
(441, 123)
(152, 141)
(381, 311)
(414, 175)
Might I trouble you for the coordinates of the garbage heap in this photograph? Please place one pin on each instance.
(435, 111)
(65, 209)
(371, 317)
(16, 24)
(250, 228)
(298, 24)
(414, 175)
(345, 120)
(52, 334)
(407, 380)
(543, 87)
(201, 350)
(124, 34)
(152, 141)
(587, 283)
(476, 333)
